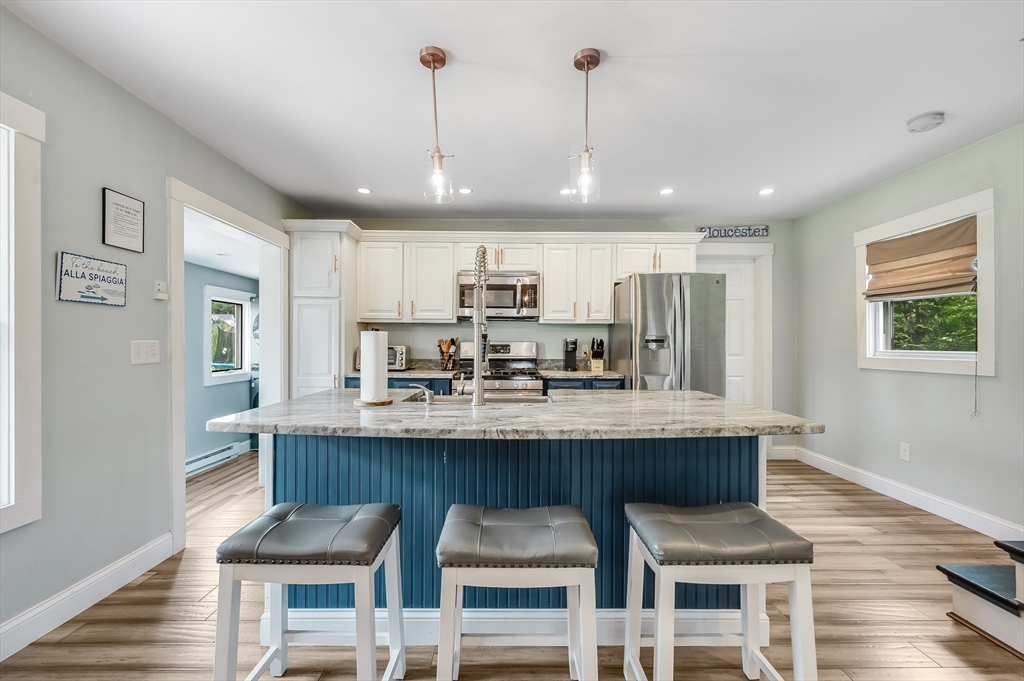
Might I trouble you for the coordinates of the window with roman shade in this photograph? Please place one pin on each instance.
(930, 263)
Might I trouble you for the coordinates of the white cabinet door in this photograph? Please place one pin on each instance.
(595, 283)
(558, 283)
(677, 258)
(518, 258)
(315, 348)
(315, 264)
(466, 256)
(634, 259)
(430, 282)
(380, 280)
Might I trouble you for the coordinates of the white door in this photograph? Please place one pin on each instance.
(740, 332)
(518, 258)
(677, 258)
(596, 282)
(315, 264)
(315, 345)
(634, 259)
(558, 283)
(430, 279)
(380, 280)
(466, 256)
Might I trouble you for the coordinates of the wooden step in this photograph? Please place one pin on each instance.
(994, 583)
(1014, 548)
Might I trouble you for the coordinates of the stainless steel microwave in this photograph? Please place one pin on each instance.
(510, 295)
(396, 357)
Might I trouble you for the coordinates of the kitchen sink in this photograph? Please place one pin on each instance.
(490, 399)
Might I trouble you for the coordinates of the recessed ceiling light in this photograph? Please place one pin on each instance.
(766, 191)
(666, 190)
(563, 192)
(364, 190)
(465, 190)
(224, 255)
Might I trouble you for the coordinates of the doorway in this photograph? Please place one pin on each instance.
(266, 255)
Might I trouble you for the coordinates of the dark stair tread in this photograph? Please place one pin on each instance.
(995, 583)
(1014, 548)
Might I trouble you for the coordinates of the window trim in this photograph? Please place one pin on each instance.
(29, 127)
(981, 204)
(227, 295)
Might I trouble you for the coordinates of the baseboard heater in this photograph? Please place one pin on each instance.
(201, 462)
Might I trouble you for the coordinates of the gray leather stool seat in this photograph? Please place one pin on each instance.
(737, 533)
(550, 536)
(313, 534)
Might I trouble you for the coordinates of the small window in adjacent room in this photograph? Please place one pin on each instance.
(227, 331)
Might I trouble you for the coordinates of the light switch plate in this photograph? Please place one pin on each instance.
(146, 352)
(160, 290)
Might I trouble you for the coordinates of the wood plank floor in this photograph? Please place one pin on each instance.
(879, 603)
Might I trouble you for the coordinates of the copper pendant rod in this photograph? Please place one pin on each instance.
(586, 104)
(433, 89)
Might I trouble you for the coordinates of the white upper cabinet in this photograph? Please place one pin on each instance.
(558, 283)
(466, 256)
(594, 292)
(380, 280)
(518, 258)
(430, 282)
(677, 258)
(315, 264)
(315, 328)
(635, 259)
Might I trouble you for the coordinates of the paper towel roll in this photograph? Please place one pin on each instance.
(373, 363)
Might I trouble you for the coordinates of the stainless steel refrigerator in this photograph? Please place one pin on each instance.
(668, 332)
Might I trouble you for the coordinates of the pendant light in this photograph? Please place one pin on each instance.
(584, 180)
(438, 188)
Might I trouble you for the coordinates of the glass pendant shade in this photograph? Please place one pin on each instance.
(438, 185)
(584, 175)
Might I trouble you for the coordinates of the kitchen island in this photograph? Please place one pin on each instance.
(595, 449)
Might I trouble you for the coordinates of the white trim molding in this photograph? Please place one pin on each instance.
(971, 518)
(23, 629)
(981, 204)
(332, 226)
(412, 235)
(179, 191)
(18, 115)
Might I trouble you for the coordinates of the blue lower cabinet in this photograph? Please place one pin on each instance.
(440, 386)
(566, 384)
(351, 381)
(606, 384)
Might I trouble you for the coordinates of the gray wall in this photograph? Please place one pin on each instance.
(867, 413)
(205, 402)
(106, 424)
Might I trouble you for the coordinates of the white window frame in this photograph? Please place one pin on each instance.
(25, 305)
(227, 295)
(869, 315)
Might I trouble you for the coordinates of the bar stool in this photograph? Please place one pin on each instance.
(518, 548)
(312, 544)
(734, 543)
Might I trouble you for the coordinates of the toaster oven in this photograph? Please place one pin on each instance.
(397, 355)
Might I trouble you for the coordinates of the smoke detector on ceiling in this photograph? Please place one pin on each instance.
(926, 122)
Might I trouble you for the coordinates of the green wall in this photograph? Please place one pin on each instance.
(978, 463)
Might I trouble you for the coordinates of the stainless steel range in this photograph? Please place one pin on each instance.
(511, 369)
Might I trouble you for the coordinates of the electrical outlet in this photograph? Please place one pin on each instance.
(904, 451)
(146, 352)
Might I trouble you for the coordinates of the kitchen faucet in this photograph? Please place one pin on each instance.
(479, 323)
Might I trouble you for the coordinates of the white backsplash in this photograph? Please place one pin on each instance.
(421, 339)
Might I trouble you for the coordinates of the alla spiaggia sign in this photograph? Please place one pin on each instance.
(81, 279)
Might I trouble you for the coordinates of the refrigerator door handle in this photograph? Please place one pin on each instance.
(679, 338)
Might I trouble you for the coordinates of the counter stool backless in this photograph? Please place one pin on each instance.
(734, 543)
(312, 544)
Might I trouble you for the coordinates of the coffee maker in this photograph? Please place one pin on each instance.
(569, 353)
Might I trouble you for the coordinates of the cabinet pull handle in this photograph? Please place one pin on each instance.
(574, 310)
(497, 253)
(588, 309)
(659, 262)
(502, 256)
(335, 380)
(412, 309)
(399, 309)
(335, 263)
(654, 262)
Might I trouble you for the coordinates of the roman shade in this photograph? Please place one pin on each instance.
(934, 262)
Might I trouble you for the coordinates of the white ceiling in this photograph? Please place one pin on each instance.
(715, 99)
(220, 246)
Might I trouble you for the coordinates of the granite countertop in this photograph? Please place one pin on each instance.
(544, 373)
(411, 373)
(572, 414)
(579, 373)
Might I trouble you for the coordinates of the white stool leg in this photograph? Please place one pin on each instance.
(366, 627)
(278, 627)
(572, 602)
(229, 600)
(588, 626)
(801, 621)
(396, 618)
(460, 591)
(634, 605)
(750, 622)
(446, 632)
(664, 625)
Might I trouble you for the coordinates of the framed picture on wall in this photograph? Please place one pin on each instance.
(124, 221)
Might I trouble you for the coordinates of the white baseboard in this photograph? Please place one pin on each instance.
(783, 453)
(23, 629)
(217, 455)
(990, 618)
(979, 521)
(520, 626)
